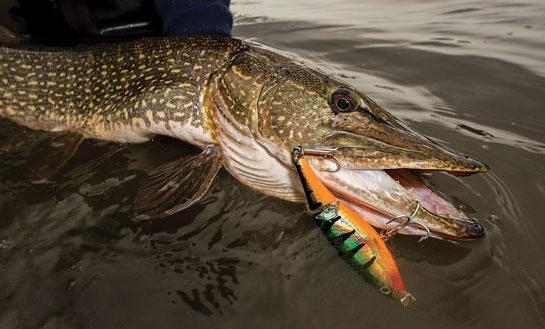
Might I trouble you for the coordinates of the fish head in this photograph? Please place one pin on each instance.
(263, 105)
(309, 108)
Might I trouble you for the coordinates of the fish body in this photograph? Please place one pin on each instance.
(355, 239)
(125, 92)
(246, 106)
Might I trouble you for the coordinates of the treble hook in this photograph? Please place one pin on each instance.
(323, 152)
(409, 221)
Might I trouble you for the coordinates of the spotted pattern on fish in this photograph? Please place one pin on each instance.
(282, 101)
(121, 92)
(254, 104)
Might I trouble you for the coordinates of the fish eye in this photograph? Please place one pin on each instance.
(341, 101)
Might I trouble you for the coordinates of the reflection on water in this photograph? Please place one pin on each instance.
(470, 74)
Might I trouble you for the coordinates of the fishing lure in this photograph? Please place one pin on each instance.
(356, 240)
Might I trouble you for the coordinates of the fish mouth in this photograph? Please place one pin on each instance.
(378, 174)
(392, 197)
(378, 168)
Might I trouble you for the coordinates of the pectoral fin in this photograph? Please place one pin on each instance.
(177, 185)
(53, 154)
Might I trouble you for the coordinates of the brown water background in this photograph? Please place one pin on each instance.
(468, 73)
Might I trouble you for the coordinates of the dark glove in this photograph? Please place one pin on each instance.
(190, 17)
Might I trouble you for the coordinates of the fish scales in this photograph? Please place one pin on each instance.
(122, 92)
(250, 104)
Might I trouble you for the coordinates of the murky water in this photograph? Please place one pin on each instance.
(468, 73)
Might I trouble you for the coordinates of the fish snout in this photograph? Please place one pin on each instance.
(363, 143)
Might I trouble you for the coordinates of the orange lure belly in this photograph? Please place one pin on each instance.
(357, 241)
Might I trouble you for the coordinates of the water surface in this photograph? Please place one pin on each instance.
(468, 73)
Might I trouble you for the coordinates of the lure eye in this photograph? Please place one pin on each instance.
(341, 101)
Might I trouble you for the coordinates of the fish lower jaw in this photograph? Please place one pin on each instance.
(387, 199)
(379, 219)
(382, 220)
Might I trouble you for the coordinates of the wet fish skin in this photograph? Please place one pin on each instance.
(130, 91)
(123, 92)
(251, 103)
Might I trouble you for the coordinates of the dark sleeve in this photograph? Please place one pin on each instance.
(190, 17)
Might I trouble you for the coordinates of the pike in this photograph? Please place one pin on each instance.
(246, 107)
